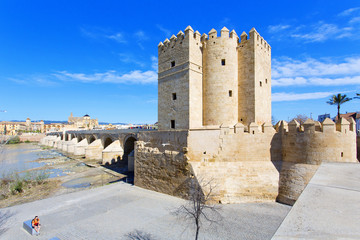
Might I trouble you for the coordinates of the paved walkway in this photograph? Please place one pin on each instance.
(112, 211)
(328, 208)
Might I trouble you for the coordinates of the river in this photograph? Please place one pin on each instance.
(19, 157)
(29, 157)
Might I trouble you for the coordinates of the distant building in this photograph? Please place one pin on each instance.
(14, 128)
(321, 118)
(84, 122)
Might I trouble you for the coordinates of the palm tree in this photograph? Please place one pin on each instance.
(338, 100)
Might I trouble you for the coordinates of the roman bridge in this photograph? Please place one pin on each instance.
(109, 146)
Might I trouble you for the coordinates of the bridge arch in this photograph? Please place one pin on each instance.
(91, 139)
(72, 136)
(80, 137)
(129, 148)
(107, 141)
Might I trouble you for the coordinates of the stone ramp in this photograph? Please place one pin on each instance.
(328, 208)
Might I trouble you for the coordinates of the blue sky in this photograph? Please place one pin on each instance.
(100, 57)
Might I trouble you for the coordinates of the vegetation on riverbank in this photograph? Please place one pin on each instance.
(14, 140)
(14, 184)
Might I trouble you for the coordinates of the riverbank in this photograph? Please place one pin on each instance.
(64, 174)
(24, 137)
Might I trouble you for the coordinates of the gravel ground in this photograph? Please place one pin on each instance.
(113, 211)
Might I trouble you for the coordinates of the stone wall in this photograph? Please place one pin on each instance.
(180, 69)
(304, 151)
(160, 162)
(221, 79)
(247, 164)
(33, 137)
(239, 163)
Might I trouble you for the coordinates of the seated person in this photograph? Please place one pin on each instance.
(35, 223)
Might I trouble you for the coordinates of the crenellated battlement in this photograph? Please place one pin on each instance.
(224, 34)
(179, 39)
(311, 126)
(254, 38)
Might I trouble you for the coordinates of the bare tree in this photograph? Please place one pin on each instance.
(300, 118)
(200, 206)
(138, 235)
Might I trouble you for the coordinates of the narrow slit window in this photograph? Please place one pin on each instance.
(173, 64)
(223, 62)
(172, 124)
(230, 93)
(266, 80)
(260, 84)
(342, 154)
(174, 96)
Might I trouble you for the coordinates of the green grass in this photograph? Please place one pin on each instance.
(15, 184)
(14, 140)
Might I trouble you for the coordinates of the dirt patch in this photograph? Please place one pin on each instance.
(31, 193)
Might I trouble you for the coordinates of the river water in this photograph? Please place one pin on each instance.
(17, 158)
(25, 157)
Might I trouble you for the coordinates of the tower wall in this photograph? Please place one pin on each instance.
(220, 79)
(262, 80)
(254, 73)
(180, 81)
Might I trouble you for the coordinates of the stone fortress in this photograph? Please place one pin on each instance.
(214, 115)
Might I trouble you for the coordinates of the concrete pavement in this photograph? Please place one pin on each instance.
(112, 211)
(328, 208)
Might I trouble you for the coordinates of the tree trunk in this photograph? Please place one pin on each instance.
(338, 112)
(197, 223)
(197, 232)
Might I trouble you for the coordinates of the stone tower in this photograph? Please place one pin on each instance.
(213, 80)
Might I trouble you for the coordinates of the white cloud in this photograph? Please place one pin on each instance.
(133, 77)
(154, 63)
(130, 58)
(349, 11)
(287, 71)
(281, 96)
(19, 81)
(301, 81)
(118, 37)
(141, 36)
(41, 80)
(323, 31)
(354, 20)
(289, 67)
(98, 33)
(167, 32)
(277, 28)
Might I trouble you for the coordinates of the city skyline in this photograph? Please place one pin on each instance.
(101, 58)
